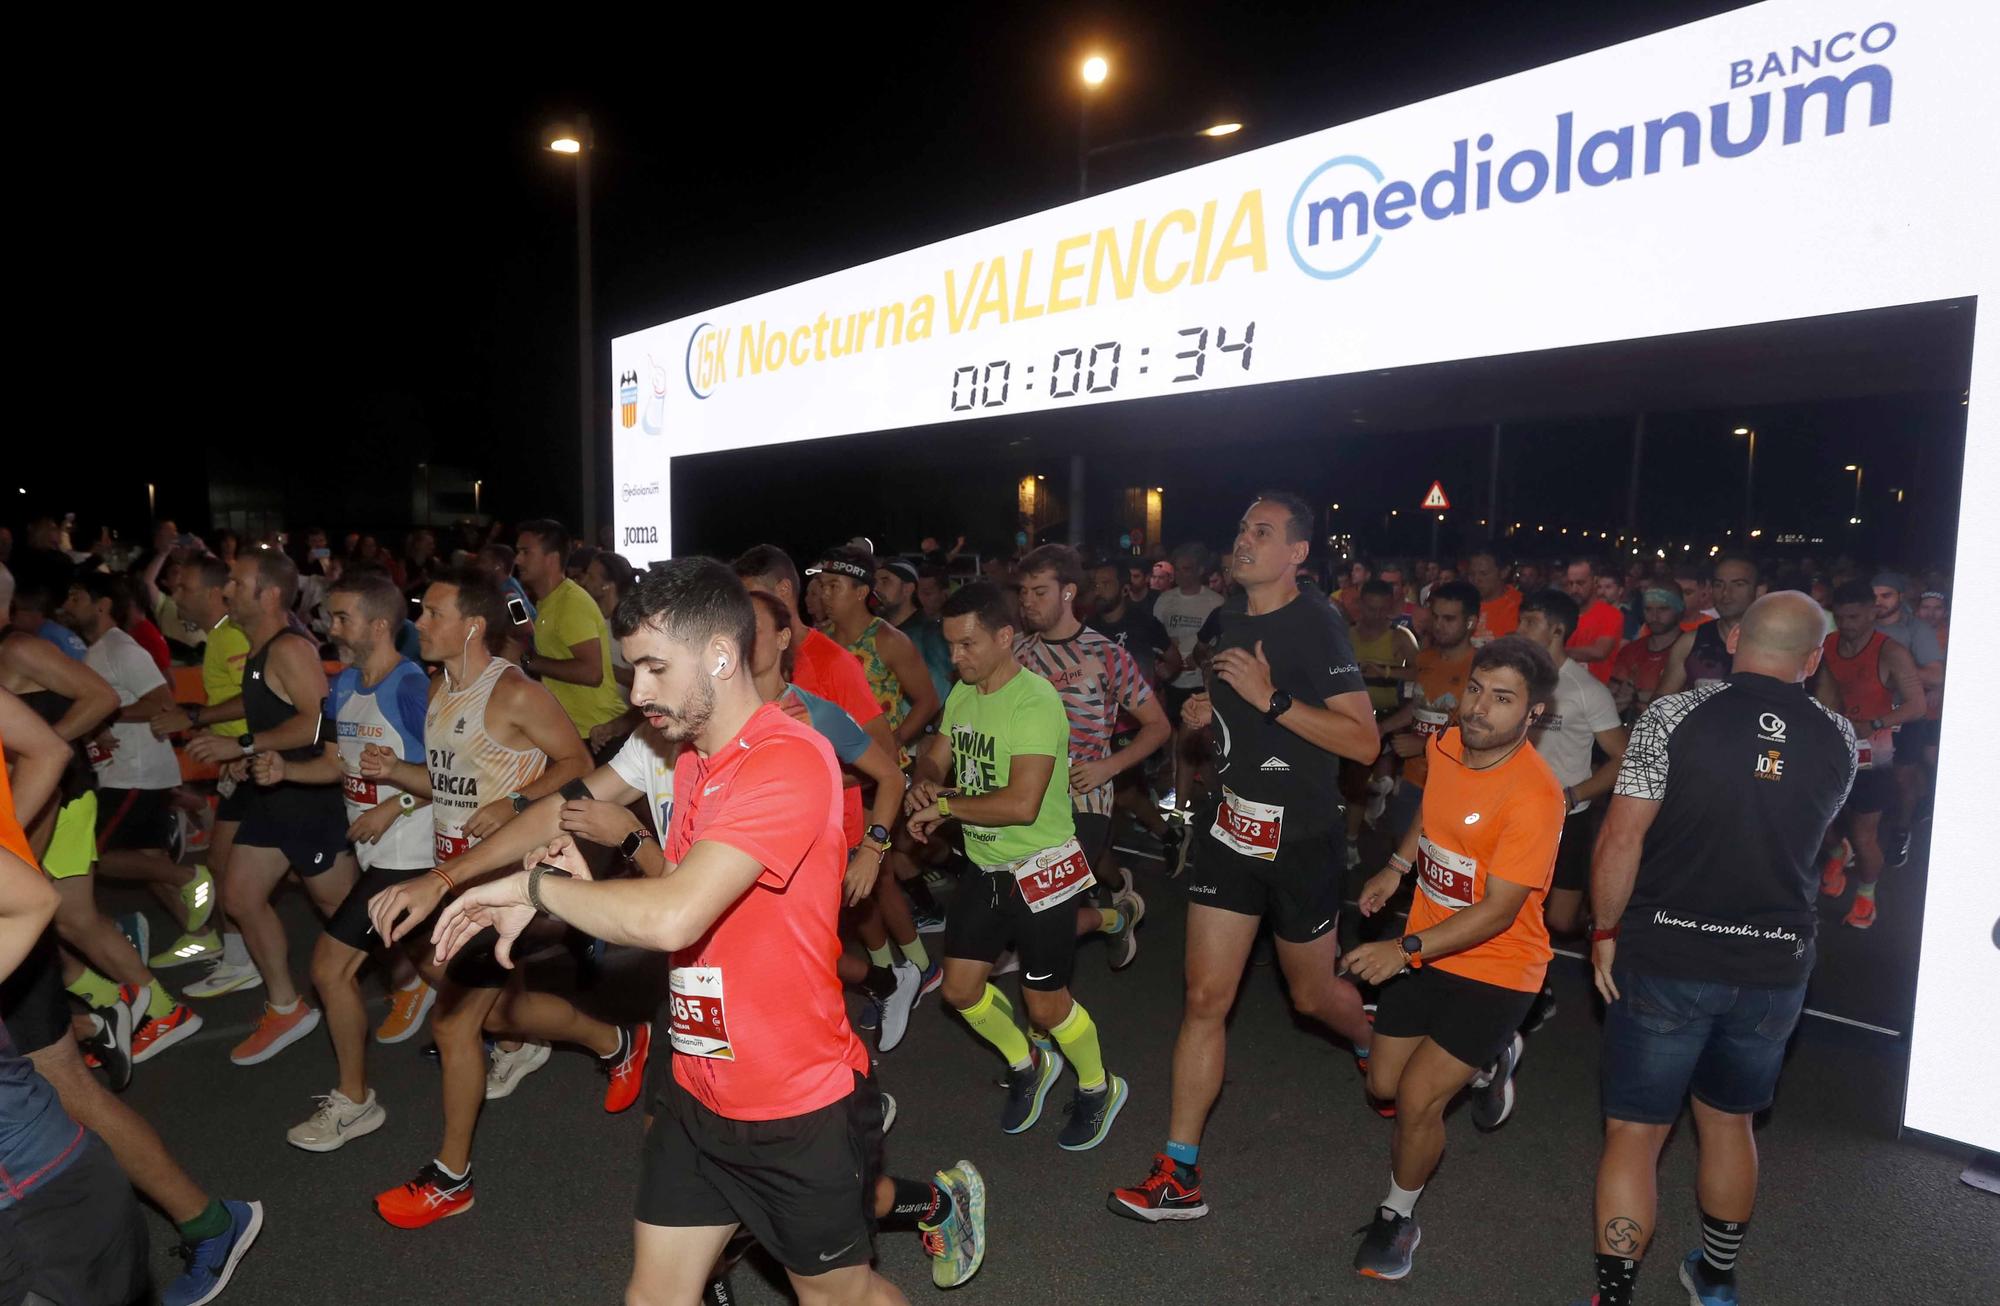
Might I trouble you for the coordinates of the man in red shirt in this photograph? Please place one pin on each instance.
(769, 1105)
(1599, 628)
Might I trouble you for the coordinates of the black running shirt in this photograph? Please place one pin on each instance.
(1311, 659)
(1748, 773)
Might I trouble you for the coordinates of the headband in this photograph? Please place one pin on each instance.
(837, 565)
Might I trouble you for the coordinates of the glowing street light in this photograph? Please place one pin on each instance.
(574, 140)
(566, 145)
(1223, 129)
(1095, 70)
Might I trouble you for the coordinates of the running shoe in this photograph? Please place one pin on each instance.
(188, 948)
(1010, 961)
(1091, 1115)
(888, 1113)
(198, 896)
(932, 979)
(109, 1047)
(898, 1004)
(627, 1067)
(431, 1196)
(1173, 842)
(1493, 1101)
(224, 978)
(870, 1017)
(276, 1031)
(1028, 1089)
(1171, 1192)
(926, 921)
(1125, 943)
(1833, 871)
(1703, 1290)
(339, 1119)
(957, 1244)
(505, 1070)
(407, 1009)
(212, 1262)
(1539, 1013)
(1391, 1242)
(1861, 914)
(153, 1035)
(136, 928)
(1896, 847)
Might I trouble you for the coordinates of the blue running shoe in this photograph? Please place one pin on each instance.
(212, 1262)
(1702, 1290)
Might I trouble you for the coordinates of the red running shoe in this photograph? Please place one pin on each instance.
(627, 1067)
(430, 1197)
(1164, 1195)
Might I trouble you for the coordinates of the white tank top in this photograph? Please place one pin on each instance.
(469, 767)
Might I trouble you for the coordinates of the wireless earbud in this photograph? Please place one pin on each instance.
(720, 662)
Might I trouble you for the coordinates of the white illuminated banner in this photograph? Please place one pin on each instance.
(1783, 161)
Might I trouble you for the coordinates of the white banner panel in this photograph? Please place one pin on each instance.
(1782, 161)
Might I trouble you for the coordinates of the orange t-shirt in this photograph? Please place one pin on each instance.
(12, 837)
(1504, 821)
(1440, 684)
(1498, 616)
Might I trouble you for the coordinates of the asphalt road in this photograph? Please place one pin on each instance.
(1294, 1162)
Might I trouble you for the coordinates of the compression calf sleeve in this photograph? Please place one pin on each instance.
(1077, 1036)
(993, 1020)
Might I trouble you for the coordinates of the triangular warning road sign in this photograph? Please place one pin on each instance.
(1435, 500)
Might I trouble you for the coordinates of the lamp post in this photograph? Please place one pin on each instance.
(1749, 480)
(579, 144)
(1855, 518)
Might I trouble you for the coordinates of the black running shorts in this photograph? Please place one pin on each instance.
(1573, 855)
(349, 923)
(803, 1186)
(1469, 1019)
(79, 1237)
(1873, 792)
(1299, 891)
(988, 914)
(32, 1001)
(307, 823)
(134, 818)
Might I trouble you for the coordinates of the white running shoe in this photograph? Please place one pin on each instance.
(506, 1070)
(897, 1006)
(338, 1120)
(224, 978)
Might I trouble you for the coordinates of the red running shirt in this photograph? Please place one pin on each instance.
(821, 666)
(760, 1026)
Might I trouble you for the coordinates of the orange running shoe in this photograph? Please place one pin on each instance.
(627, 1067)
(1861, 915)
(407, 1009)
(431, 1196)
(276, 1031)
(1833, 872)
(162, 1032)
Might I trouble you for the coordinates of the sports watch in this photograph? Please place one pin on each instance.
(248, 742)
(1413, 950)
(535, 878)
(407, 801)
(878, 835)
(519, 801)
(629, 846)
(1281, 703)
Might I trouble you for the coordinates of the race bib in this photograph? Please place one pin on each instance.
(1430, 721)
(1878, 749)
(359, 790)
(1447, 877)
(1053, 877)
(449, 842)
(1252, 829)
(699, 1027)
(100, 755)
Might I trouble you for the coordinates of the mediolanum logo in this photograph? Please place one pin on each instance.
(1347, 206)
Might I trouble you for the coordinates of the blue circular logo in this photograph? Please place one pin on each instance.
(1292, 220)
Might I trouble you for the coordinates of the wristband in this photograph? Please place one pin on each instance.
(1403, 867)
(1599, 936)
(535, 884)
(448, 885)
(576, 791)
(192, 711)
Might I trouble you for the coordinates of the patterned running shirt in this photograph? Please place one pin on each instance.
(1095, 678)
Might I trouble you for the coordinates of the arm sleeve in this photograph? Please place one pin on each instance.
(777, 807)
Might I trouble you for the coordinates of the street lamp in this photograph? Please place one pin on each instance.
(578, 143)
(1749, 477)
(1855, 519)
(1094, 71)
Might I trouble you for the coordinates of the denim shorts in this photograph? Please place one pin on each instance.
(1665, 1038)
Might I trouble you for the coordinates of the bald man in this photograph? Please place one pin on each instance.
(1706, 864)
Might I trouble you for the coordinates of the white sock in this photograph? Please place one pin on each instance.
(1401, 1200)
(287, 1009)
(455, 1178)
(233, 951)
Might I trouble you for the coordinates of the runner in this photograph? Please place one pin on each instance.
(1442, 666)
(769, 1120)
(1701, 654)
(1600, 626)
(378, 699)
(1873, 681)
(1387, 653)
(494, 741)
(1582, 723)
(1273, 845)
(897, 583)
(1696, 595)
(200, 595)
(571, 651)
(1917, 736)
(1636, 671)
(895, 669)
(1096, 680)
(999, 765)
(1722, 802)
(287, 825)
(1182, 611)
(1499, 602)
(1128, 623)
(1457, 985)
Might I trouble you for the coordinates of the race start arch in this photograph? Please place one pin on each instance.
(1788, 160)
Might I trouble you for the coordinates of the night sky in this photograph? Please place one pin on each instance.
(327, 271)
